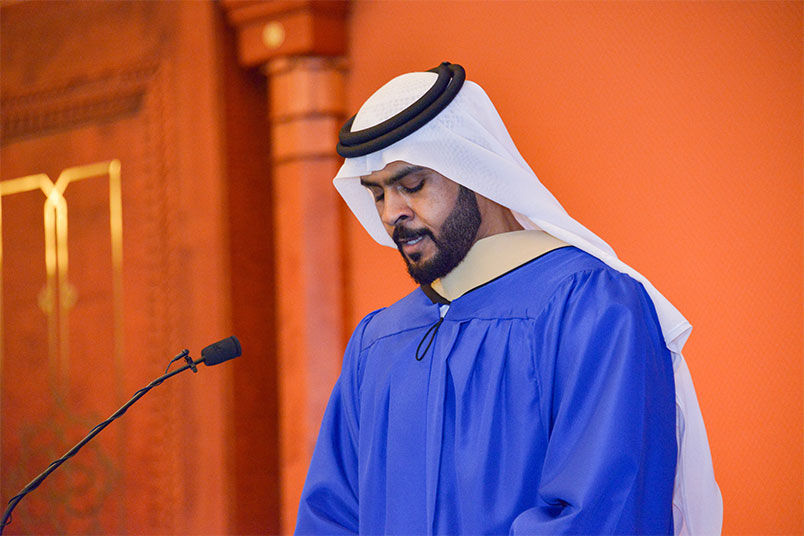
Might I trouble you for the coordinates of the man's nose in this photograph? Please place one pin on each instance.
(395, 209)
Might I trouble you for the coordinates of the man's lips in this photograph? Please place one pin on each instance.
(410, 241)
(412, 247)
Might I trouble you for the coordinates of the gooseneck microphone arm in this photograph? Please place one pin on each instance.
(213, 354)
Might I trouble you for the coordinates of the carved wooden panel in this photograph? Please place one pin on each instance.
(79, 375)
(97, 299)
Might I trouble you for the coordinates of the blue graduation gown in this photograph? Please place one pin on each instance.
(544, 405)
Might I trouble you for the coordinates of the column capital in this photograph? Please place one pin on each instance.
(268, 29)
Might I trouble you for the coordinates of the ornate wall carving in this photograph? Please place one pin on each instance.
(128, 104)
(47, 109)
(134, 107)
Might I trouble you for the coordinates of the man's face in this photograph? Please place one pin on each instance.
(433, 220)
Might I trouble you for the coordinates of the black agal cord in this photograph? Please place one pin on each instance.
(450, 79)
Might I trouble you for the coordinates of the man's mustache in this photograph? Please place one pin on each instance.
(403, 233)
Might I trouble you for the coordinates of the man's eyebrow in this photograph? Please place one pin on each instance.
(393, 179)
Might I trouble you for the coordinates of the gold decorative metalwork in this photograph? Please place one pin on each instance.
(58, 296)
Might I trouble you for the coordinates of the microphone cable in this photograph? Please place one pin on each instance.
(211, 355)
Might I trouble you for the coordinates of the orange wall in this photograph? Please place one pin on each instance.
(673, 130)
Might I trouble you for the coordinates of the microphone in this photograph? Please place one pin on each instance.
(213, 354)
(221, 351)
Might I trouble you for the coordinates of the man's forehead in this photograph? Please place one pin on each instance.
(391, 173)
(389, 169)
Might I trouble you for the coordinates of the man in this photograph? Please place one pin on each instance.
(533, 384)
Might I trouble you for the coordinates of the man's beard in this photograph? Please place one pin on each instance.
(456, 236)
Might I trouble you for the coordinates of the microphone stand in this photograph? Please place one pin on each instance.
(33, 484)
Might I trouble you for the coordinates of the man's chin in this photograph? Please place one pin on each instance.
(417, 258)
(425, 270)
(421, 277)
(414, 261)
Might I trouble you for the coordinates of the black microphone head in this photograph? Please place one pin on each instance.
(221, 351)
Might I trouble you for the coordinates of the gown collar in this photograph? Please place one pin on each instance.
(488, 259)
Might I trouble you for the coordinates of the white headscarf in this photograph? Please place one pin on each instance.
(468, 143)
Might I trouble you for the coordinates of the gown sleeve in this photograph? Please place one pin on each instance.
(611, 454)
(329, 501)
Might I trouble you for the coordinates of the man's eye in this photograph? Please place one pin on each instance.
(412, 189)
(379, 197)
